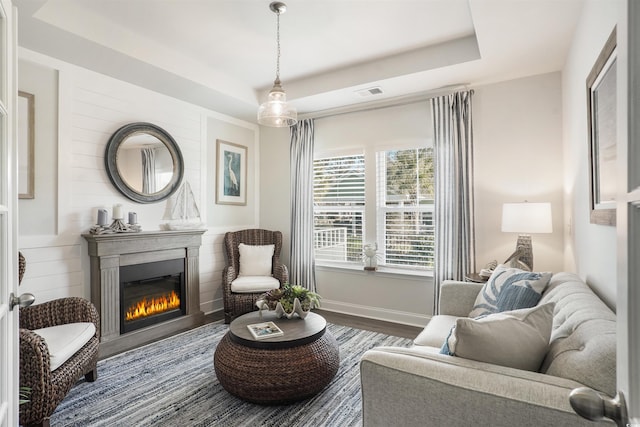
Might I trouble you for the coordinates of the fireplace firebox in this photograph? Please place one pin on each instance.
(151, 293)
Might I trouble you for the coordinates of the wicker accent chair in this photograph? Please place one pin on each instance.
(48, 388)
(235, 303)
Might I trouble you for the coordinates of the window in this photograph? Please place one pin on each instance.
(405, 207)
(338, 213)
(403, 200)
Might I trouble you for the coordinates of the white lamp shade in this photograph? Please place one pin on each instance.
(526, 218)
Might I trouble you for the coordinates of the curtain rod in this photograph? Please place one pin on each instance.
(384, 103)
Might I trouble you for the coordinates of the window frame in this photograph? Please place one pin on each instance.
(354, 208)
(382, 209)
(372, 210)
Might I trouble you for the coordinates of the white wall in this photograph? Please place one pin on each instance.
(90, 107)
(42, 82)
(590, 248)
(518, 156)
(275, 191)
(358, 291)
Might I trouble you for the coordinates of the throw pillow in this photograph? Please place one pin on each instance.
(517, 339)
(255, 260)
(510, 289)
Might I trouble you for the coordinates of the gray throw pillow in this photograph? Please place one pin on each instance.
(517, 339)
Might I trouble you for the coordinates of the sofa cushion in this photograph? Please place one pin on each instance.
(255, 260)
(252, 284)
(63, 341)
(583, 338)
(436, 331)
(509, 289)
(517, 339)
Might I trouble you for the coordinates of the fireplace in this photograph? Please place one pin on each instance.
(146, 286)
(151, 293)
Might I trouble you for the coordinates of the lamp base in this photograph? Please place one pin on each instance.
(523, 256)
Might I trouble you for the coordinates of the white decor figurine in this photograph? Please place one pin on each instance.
(370, 256)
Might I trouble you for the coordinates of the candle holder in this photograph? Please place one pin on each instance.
(100, 229)
(117, 226)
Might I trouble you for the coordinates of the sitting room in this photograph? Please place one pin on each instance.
(340, 213)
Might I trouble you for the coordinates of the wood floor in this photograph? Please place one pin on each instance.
(388, 328)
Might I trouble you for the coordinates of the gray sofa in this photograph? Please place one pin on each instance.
(417, 386)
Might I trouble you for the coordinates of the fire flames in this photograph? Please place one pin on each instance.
(150, 306)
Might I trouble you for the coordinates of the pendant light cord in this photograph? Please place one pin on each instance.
(278, 43)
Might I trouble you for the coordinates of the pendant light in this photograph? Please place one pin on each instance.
(275, 112)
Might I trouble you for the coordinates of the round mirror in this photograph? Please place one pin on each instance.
(144, 162)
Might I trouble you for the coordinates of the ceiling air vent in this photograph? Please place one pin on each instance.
(377, 90)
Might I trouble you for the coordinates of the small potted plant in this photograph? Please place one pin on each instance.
(289, 300)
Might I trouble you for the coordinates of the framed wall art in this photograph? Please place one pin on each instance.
(231, 175)
(26, 145)
(602, 123)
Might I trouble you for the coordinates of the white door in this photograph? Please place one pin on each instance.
(628, 208)
(8, 226)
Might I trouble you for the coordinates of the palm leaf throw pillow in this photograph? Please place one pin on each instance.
(510, 289)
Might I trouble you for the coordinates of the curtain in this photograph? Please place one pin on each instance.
(302, 251)
(148, 170)
(454, 205)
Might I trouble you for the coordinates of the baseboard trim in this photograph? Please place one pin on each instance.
(377, 313)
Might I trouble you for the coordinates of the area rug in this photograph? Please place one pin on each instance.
(172, 382)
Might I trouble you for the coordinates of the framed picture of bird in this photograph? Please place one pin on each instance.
(231, 175)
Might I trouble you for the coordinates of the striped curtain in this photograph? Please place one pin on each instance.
(148, 170)
(454, 212)
(302, 271)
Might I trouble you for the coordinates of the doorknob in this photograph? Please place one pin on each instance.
(24, 300)
(593, 406)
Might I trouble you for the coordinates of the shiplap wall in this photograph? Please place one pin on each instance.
(91, 107)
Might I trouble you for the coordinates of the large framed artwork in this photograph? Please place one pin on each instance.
(26, 145)
(602, 120)
(231, 176)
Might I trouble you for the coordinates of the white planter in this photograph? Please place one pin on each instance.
(297, 308)
(280, 311)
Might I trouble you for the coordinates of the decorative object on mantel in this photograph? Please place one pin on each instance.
(182, 211)
(370, 256)
(118, 225)
(289, 300)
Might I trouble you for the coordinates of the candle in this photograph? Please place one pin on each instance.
(102, 217)
(133, 218)
(117, 212)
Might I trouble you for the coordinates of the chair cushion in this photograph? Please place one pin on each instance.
(252, 284)
(65, 340)
(255, 260)
(510, 289)
(517, 339)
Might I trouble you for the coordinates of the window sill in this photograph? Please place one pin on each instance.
(381, 271)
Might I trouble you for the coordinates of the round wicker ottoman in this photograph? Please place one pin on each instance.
(291, 367)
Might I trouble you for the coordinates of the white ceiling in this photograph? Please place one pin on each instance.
(221, 53)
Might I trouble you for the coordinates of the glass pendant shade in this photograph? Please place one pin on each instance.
(276, 112)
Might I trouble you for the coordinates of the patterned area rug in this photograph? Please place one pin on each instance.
(172, 383)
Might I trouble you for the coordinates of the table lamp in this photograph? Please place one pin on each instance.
(525, 219)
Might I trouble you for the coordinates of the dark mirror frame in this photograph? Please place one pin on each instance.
(111, 161)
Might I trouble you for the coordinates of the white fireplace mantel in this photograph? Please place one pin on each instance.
(109, 252)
